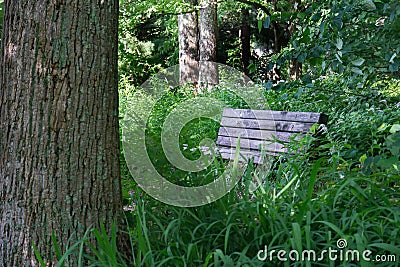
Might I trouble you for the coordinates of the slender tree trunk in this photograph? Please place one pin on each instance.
(245, 40)
(296, 67)
(208, 28)
(188, 47)
(59, 144)
(275, 73)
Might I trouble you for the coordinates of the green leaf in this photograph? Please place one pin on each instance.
(267, 22)
(388, 247)
(56, 246)
(301, 15)
(260, 24)
(391, 60)
(285, 15)
(395, 128)
(363, 158)
(337, 22)
(358, 62)
(357, 70)
(268, 85)
(38, 256)
(302, 57)
(313, 178)
(297, 236)
(333, 227)
(322, 28)
(338, 57)
(252, 68)
(388, 163)
(299, 92)
(393, 143)
(370, 4)
(339, 43)
(393, 67)
(227, 235)
(382, 127)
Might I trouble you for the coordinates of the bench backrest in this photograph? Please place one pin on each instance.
(259, 130)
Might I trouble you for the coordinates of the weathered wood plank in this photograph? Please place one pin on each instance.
(258, 134)
(229, 153)
(285, 126)
(312, 117)
(260, 129)
(251, 144)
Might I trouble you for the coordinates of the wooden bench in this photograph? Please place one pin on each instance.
(262, 131)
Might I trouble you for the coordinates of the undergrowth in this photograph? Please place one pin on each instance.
(344, 190)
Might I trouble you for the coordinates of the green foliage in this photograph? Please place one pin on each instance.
(95, 248)
(148, 38)
(357, 38)
(105, 251)
(345, 186)
(189, 137)
(288, 215)
(75, 250)
(228, 43)
(306, 201)
(384, 161)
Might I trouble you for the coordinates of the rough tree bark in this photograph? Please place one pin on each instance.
(188, 46)
(59, 144)
(208, 28)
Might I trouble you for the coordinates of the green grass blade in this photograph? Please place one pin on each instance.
(38, 256)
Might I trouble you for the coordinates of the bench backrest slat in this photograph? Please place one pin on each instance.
(273, 125)
(275, 115)
(259, 130)
(251, 144)
(256, 134)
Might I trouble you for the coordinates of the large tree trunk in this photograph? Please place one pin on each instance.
(208, 28)
(245, 40)
(59, 143)
(188, 47)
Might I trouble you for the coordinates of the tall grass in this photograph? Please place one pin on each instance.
(307, 201)
(344, 188)
(286, 216)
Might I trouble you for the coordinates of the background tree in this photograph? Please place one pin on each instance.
(188, 34)
(148, 39)
(1, 15)
(208, 28)
(245, 40)
(59, 143)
